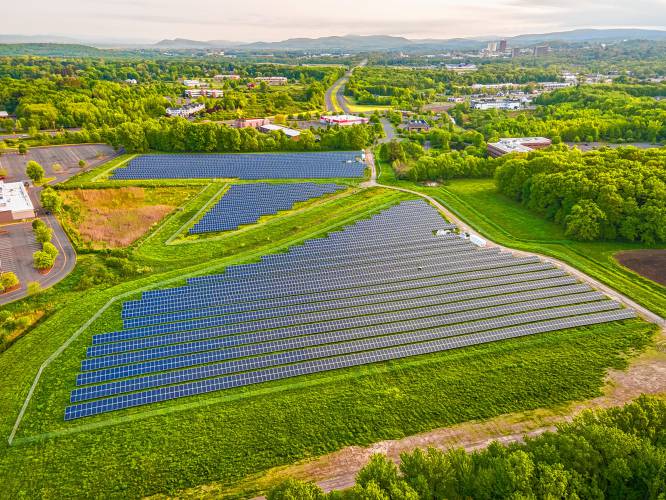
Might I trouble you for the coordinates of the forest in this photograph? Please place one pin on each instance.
(618, 453)
(605, 194)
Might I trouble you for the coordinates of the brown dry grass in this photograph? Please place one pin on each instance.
(116, 218)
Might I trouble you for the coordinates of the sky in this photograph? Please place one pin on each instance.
(271, 20)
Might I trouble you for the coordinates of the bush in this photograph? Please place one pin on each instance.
(34, 171)
(82, 163)
(37, 223)
(43, 260)
(50, 200)
(50, 249)
(8, 280)
(34, 287)
(43, 233)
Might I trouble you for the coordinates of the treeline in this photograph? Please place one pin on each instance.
(180, 135)
(586, 113)
(619, 453)
(604, 194)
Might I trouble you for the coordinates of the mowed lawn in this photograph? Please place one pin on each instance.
(116, 218)
(507, 222)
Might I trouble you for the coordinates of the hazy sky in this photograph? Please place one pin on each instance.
(252, 20)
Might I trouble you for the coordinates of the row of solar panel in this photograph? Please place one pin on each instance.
(247, 203)
(325, 364)
(319, 312)
(244, 166)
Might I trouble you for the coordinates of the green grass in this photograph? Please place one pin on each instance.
(508, 223)
(230, 435)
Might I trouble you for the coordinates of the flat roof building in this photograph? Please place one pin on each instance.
(226, 77)
(251, 122)
(4, 114)
(343, 120)
(517, 145)
(191, 83)
(187, 110)
(272, 80)
(15, 203)
(508, 104)
(194, 93)
(289, 132)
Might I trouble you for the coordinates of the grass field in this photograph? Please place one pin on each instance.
(232, 435)
(508, 223)
(365, 108)
(116, 218)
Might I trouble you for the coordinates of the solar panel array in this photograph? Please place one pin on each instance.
(381, 289)
(338, 164)
(247, 203)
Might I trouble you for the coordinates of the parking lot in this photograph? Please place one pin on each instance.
(17, 244)
(67, 157)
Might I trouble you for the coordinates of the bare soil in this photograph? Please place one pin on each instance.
(650, 264)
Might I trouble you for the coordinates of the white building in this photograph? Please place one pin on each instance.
(343, 120)
(517, 145)
(194, 93)
(131, 81)
(191, 83)
(187, 110)
(461, 67)
(289, 132)
(272, 80)
(15, 204)
(507, 104)
(4, 114)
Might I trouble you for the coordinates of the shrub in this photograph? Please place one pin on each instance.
(43, 260)
(8, 280)
(34, 171)
(51, 200)
(43, 233)
(34, 287)
(50, 249)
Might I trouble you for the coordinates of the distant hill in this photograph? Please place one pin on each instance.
(184, 43)
(51, 49)
(591, 35)
(348, 42)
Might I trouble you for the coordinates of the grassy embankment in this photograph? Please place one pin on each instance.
(506, 222)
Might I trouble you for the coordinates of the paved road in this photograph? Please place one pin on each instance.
(339, 96)
(389, 131)
(464, 227)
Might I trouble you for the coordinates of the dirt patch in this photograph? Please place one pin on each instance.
(650, 264)
(116, 218)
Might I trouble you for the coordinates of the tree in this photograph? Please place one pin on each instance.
(50, 249)
(82, 163)
(43, 233)
(34, 171)
(43, 260)
(584, 221)
(22, 148)
(8, 280)
(34, 287)
(51, 200)
(292, 489)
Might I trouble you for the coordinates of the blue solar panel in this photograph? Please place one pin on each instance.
(382, 289)
(339, 164)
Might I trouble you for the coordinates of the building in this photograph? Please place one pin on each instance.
(191, 83)
(251, 122)
(492, 47)
(343, 120)
(508, 104)
(516, 52)
(131, 81)
(517, 145)
(194, 93)
(187, 110)
(272, 80)
(502, 46)
(289, 132)
(4, 114)
(15, 203)
(541, 50)
(461, 67)
(417, 126)
(219, 78)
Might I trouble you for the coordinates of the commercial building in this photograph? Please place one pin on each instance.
(15, 203)
(343, 120)
(541, 50)
(191, 83)
(508, 104)
(187, 110)
(492, 47)
(517, 145)
(502, 46)
(417, 126)
(4, 114)
(131, 81)
(461, 67)
(219, 78)
(272, 80)
(289, 132)
(194, 93)
(251, 122)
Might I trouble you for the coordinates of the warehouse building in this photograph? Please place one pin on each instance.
(272, 80)
(195, 93)
(15, 203)
(251, 122)
(343, 120)
(289, 132)
(517, 145)
(186, 111)
(219, 78)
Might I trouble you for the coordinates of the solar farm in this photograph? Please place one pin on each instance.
(247, 203)
(383, 288)
(340, 164)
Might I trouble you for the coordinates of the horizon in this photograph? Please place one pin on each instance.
(149, 21)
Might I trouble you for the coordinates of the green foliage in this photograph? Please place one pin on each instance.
(296, 490)
(34, 171)
(615, 453)
(34, 287)
(43, 260)
(22, 149)
(606, 194)
(43, 233)
(50, 200)
(8, 280)
(50, 249)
